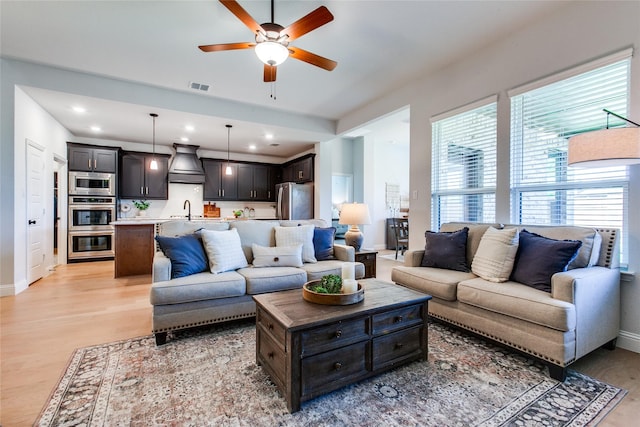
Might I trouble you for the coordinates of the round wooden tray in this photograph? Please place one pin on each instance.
(331, 299)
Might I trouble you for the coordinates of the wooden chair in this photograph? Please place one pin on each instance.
(401, 228)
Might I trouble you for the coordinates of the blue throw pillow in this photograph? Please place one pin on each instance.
(186, 254)
(446, 250)
(323, 243)
(538, 258)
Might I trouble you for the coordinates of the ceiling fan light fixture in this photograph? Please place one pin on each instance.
(272, 53)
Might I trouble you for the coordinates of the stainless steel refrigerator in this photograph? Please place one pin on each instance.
(295, 201)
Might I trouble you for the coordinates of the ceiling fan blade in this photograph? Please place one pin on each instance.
(269, 73)
(226, 46)
(307, 23)
(312, 58)
(242, 15)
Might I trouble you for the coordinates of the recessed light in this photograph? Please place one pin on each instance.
(189, 128)
(184, 139)
(78, 109)
(268, 136)
(96, 128)
(252, 147)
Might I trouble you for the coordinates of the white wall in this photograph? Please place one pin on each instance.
(35, 124)
(581, 32)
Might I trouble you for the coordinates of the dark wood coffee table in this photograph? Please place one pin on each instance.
(310, 349)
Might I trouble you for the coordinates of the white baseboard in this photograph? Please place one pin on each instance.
(7, 290)
(629, 341)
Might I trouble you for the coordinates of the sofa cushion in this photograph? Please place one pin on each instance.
(323, 243)
(496, 254)
(253, 231)
(539, 258)
(198, 287)
(436, 282)
(271, 279)
(322, 268)
(446, 250)
(291, 236)
(182, 227)
(223, 249)
(277, 256)
(476, 231)
(519, 301)
(591, 241)
(186, 254)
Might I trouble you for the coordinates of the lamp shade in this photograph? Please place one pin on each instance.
(272, 53)
(354, 214)
(607, 147)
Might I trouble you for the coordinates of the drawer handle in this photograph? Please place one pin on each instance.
(398, 319)
(399, 345)
(337, 366)
(270, 326)
(270, 355)
(338, 333)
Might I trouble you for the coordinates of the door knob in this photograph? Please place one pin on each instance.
(32, 221)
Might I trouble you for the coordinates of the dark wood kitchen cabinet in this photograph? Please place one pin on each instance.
(256, 182)
(217, 184)
(92, 159)
(139, 181)
(299, 170)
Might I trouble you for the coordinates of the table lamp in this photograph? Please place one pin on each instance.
(353, 214)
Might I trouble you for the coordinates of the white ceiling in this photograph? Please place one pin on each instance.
(379, 47)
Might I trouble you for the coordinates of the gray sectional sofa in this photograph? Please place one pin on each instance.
(204, 297)
(579, 313)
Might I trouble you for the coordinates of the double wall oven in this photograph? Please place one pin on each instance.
(92, 208)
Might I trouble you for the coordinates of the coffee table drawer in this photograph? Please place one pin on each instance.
(270, 325)
(327, 371)
(272, 355)
(397, 319)
(334, 335)
(397, 346)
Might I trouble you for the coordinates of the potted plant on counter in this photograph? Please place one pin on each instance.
(142, 206)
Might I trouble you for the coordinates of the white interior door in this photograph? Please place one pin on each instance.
(35, 211)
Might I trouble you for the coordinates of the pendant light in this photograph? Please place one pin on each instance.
(228, 170)
(153, 165)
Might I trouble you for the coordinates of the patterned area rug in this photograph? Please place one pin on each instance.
(208, 377)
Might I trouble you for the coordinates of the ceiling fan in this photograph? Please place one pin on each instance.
(272, 40)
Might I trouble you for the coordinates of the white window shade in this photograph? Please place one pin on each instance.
(464, 166)
(544, 189)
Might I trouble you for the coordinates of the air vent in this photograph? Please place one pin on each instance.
(199, 86)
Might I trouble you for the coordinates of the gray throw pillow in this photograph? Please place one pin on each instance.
(446, 250)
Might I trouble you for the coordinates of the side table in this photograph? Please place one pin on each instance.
(368, 258)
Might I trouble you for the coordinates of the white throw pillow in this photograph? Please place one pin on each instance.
(277, 256)
(224, 250)
(496, 254)
(303, 234)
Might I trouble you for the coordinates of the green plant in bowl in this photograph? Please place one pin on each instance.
(142, 205)
(329, 284)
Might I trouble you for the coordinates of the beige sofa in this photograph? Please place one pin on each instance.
(204, 298)
(580, 314)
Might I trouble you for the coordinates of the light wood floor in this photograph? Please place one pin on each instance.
(81, 304)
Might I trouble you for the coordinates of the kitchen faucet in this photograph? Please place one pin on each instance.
(187, 202)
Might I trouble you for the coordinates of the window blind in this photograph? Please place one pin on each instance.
(544, 189)
(464, 166)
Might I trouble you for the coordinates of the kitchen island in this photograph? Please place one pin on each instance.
(134, 246)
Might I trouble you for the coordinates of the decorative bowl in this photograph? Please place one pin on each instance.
(331, 299)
